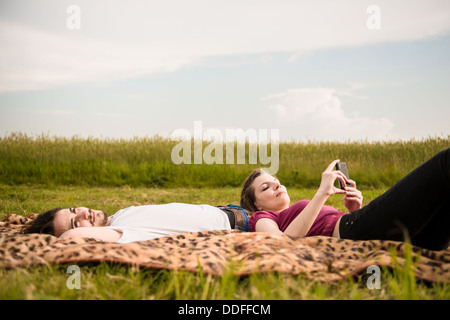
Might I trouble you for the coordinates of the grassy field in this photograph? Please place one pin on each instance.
(109, 281)
(37, 173)
(43, 160)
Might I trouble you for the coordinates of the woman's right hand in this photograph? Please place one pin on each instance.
(300, 226)
(329, 177)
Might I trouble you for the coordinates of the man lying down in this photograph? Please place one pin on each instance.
(139, 223)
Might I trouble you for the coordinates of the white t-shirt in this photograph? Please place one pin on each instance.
(152, 221)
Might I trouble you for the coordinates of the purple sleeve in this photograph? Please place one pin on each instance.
(261, 214)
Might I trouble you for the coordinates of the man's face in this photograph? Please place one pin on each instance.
(71, 218)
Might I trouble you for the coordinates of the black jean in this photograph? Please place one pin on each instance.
(417, 207)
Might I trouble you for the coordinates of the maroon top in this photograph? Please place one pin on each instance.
(322, 226)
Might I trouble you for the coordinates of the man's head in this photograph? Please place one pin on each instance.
(57, 221)
(43, 223)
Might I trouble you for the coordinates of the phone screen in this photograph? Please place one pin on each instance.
(342, 166)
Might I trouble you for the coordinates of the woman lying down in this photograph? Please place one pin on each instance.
(417, 206)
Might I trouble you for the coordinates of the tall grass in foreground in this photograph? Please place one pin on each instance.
(45, 160)
(116, 281)
(110, 282)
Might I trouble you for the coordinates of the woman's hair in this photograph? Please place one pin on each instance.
(43, 223)
(248, 192)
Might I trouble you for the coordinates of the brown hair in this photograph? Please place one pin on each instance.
(248, 192)
(43, 223)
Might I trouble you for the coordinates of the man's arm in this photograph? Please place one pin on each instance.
(101, 233)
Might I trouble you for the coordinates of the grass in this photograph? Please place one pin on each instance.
(111, 282)
(44, 160)
(41, 172)
(115, 281)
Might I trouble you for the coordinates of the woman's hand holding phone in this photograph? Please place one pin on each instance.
(329, 176)
(353, 198)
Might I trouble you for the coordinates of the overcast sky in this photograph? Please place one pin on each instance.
(318, 70)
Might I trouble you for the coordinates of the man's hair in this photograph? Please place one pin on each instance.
(248, 193)
(43, 223)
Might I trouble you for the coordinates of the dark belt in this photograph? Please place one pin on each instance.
(231, 217)
(235, 217)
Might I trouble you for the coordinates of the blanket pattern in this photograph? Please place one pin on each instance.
(215, 252)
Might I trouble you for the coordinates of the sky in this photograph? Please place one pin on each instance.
(337, 70)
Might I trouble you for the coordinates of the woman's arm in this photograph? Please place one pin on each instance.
(300, 226)
(100, 233)
(267, 225)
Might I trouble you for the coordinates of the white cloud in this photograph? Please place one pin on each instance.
(317, 113)
(54, 112)
(113, 115)
(118, 40)
(33, 60)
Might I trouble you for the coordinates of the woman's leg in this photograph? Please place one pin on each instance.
(435, 235)
(412, 205)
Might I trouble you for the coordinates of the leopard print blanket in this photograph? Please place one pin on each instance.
(215, 252)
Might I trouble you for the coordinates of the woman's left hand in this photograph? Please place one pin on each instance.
(353, 197)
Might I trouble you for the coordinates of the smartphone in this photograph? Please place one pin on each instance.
(342, 166)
